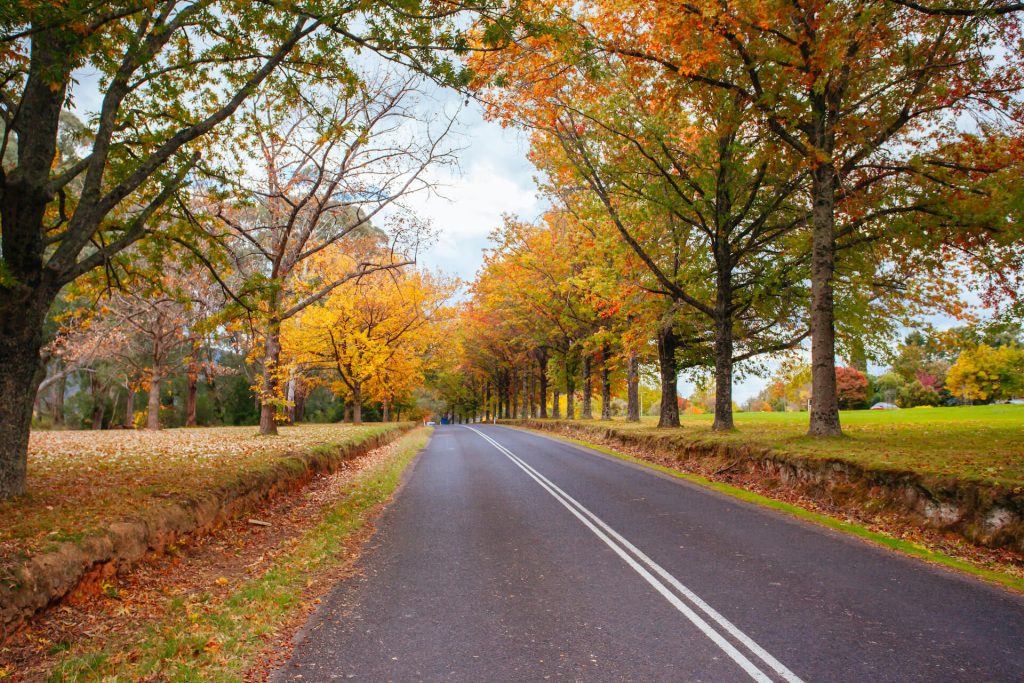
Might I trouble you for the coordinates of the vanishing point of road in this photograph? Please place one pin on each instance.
(510, 556)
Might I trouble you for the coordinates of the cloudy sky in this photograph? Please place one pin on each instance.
(493, 178)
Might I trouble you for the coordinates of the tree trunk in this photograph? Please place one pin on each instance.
(487, 402)
(21, 337)
(606, 387)
(523, 407)
(357, 404)
(385, 411)
(542, 367)
(57, 407)
(723, 354)
(27, 289)
(268, 398)
(633, 388)
(824, 398)
(299, 412)
(588, 390)
(532, 392)
(129, 407)
(668, 342)
(513, 390)
(190, 400)
(96, 419)
(153, 414)
(570, 391)
(556, 408)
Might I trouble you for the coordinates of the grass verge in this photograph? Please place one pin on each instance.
(204, 638)
(900, 545)
(975, 443)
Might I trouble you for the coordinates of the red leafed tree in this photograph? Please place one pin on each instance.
(851, 387)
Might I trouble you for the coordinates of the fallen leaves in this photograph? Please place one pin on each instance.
(81, 480)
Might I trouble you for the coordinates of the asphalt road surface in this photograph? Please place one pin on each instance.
(510, 556)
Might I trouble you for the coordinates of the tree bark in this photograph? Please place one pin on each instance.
(190, 400)
(96, 419)
(357, 404)
(487, 402)
(533, 395)
(556, 408)
(633, 388)
(57, 407)
(271, 359)
(588, 390)
(385, 411)
(606, 387)
(299, 412)
(513, 390)
(668, 342)
(21, 337)
(570, 391)
(153, 414)
(542, 368)
(824, 398)
(523, 407)
(723, 353)
(129, 407)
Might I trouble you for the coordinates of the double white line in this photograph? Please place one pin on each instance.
(661, 581)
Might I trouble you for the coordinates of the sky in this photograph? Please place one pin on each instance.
(493, 178)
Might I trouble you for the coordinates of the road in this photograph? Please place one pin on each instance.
(510, 556)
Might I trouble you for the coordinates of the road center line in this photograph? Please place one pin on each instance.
(606, 534)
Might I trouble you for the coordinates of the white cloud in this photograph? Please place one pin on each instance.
(494, 178)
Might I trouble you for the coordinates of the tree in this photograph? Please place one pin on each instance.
(867, 94)
(170, 72)
(702, 196)
(851, 387)
(987, 374)
(330, 166)
(371, 333)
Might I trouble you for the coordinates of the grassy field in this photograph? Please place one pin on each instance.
(984, 443)
(79, 480)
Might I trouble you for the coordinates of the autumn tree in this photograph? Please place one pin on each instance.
(852, 386)
(334, 170)
(986, 374)
(170, 73)
(371, 333)
(865, 93)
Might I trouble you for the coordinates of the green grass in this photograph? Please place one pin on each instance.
(218, 640)
(906, 547)
(982, 443)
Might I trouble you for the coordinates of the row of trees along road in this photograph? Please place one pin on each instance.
(730, 179)
(177, 81)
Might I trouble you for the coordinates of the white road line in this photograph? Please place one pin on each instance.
(606, 534)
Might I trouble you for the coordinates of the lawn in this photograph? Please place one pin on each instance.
(79, 480)
(984, 443)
